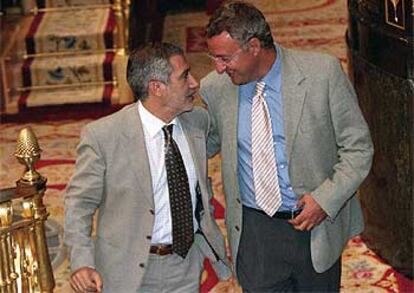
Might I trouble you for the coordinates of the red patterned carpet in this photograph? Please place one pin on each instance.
(306, 24)
(363, 271)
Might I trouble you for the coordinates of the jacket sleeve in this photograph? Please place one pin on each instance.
(213, 140)
(353, 140)
(83, 197)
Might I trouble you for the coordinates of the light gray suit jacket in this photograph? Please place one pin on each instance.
(113, 175)
(328, 145)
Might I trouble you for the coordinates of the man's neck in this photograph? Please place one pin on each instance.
(158, 111)
(266, 60)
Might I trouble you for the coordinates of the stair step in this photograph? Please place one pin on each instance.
(72, 30)
(107, 94)
(68, 69)
(66, 3)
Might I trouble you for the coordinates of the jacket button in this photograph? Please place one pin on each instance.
(142, 265)
(237, 228)
(151, 211)
(149, 237)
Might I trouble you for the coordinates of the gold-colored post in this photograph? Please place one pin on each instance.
(118, 10)
(38, 238)
(21, 260)
(126, 6)
(6, 88)
(31, 187)
(31, 257)
(3, 273)
(8, 276)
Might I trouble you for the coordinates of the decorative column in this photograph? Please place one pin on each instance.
(31, 188)
(8, 275)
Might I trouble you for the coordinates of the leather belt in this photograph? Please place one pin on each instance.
(161, 249)
(285, 215)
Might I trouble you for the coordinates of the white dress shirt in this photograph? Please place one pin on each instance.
(154, 142)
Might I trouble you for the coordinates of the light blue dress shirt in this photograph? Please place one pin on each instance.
(274, 100)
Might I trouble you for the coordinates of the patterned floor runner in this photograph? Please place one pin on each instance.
(83, 35)
(65, 3)
(65, 70)
(74, 95)
(73, 30)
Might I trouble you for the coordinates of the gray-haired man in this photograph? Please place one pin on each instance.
(144, 169)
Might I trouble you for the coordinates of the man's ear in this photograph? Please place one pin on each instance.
(155, 87)
(254, 46)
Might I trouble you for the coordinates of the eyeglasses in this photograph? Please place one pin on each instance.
(226, 60)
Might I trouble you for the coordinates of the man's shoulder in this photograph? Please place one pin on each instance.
(306, 55)
(215, 79)
(112, 123)
(197, 113)
(197, 117)
(308, 59)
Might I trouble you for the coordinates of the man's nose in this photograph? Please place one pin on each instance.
(193, 82)
(220, 67)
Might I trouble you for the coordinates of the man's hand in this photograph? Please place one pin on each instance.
(86, 280)
(311, 215)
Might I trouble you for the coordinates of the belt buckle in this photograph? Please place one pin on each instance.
(159, 249)
(295, 213)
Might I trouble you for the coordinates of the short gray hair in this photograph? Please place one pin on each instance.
(150, 62)
(242, 21)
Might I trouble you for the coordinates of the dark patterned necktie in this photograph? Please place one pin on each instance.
(180, 197)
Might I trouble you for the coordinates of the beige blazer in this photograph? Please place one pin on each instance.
(328, 145)
(113, 175)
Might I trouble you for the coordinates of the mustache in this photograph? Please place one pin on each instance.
(192, 93)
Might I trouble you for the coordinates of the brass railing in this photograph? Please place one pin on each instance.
(24, 259)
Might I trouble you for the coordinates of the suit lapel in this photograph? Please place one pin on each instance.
(197, 145)
(135, 149)
(230, 120)
(293, 92)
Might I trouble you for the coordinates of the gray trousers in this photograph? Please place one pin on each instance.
(274, 257)
(173, 274)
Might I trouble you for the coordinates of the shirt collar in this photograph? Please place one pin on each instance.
(274, 73)
(152, 124)
(271, 79)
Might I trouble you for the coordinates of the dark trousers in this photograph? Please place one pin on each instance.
(274, 257)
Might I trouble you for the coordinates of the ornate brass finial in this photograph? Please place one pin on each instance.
(27, 153)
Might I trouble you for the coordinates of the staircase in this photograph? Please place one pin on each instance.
(68, 52)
